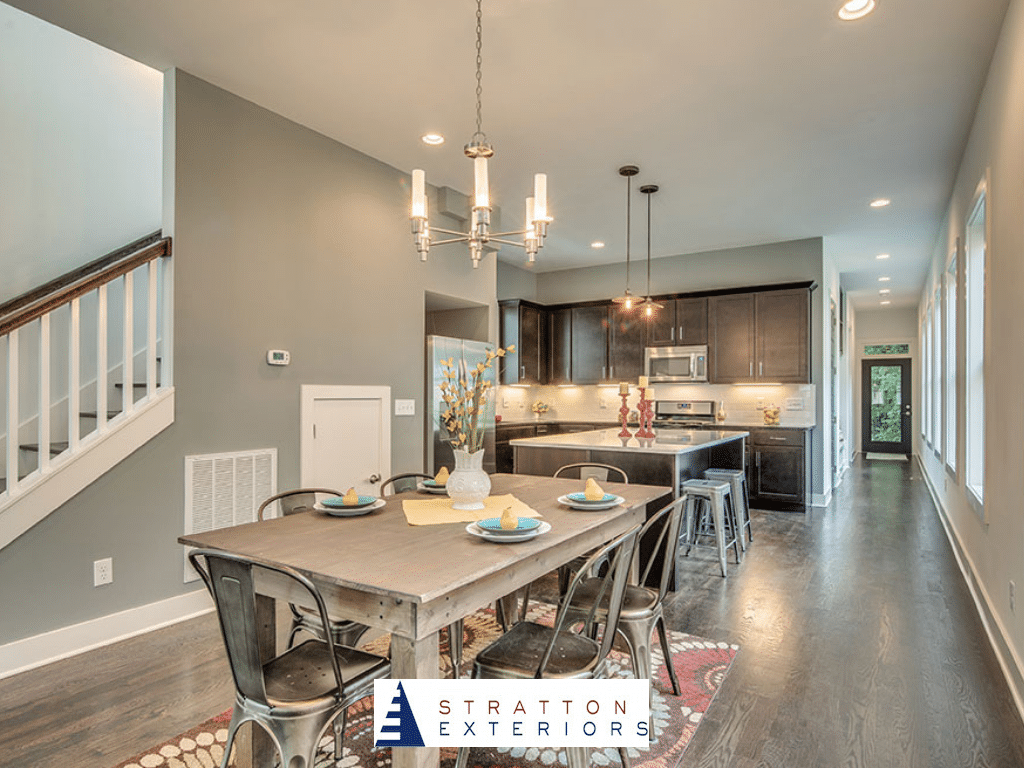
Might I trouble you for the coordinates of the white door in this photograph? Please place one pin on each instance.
(346, 437)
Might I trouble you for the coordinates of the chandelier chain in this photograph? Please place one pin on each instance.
(479, 72)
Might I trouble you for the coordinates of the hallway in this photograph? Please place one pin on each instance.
(860, 647)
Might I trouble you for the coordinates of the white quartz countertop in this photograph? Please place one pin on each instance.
(668, 441)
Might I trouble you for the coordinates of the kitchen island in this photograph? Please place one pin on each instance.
(673, 456)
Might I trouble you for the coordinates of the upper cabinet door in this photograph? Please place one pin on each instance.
(783, 329)
(661, 329)
(691, 321)
(731, 339)
(625, 344)
(589, 344)
(560, 346)
(525, 326)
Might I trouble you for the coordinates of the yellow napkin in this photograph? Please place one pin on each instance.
(439, 511)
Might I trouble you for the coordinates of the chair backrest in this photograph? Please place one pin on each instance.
(667, 522)
(403, 480)
(293, 502)
(585, 469)
(619, 552)
(230, 581)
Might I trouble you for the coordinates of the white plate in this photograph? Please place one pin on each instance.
(507, 538)
(343, 512)
(442, 490)
(591, 507)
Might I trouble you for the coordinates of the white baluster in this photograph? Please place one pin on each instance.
(12, 412)
(44, 393)
(127, 372)
(151, 382)
(74, 374)
(101, 359)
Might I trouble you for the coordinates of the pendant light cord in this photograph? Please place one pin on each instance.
(648, 246)
(479, 73)
(629, 218)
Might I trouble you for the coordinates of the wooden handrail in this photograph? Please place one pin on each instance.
(85, 279)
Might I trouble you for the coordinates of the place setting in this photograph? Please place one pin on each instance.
(593, 498)
(351, 504)
(509, 528)
(438, 485)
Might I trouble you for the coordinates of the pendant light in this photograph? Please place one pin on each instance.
(627, 299)
(649, 305)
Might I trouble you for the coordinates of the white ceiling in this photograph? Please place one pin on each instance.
(760, 121)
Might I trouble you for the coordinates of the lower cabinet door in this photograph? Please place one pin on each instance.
(779, 473)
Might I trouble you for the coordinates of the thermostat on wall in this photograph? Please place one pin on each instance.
(278, 357)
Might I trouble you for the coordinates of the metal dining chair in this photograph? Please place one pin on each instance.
(641, 605)
(403, 479)
(584, 470)
(530, 651)
(305, 619)
(296, 695)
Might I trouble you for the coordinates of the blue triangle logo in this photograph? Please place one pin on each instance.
(400, 728)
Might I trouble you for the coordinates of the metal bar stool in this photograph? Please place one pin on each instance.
(737, 478)
(710, 496)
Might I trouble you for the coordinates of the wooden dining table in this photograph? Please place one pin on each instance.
(411, 581)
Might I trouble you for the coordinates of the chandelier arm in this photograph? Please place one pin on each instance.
(506, 242)
(463, 239)
(449, 232)
(509, 234)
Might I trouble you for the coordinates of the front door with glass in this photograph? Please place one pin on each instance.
(885, 406)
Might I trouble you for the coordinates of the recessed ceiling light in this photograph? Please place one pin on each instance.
(885, 291)
(433, 139)
(882, 256)
(856, 9)
(885, 303)
(880, 202)
(884, 279)
(597, 244)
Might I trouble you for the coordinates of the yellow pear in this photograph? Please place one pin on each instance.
(592, 491)
(441, 478)
(509, 522)
(351, 498)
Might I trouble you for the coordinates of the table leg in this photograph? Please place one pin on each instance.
(253, 747)
(411, 659)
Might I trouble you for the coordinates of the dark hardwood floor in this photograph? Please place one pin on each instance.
(860, 648)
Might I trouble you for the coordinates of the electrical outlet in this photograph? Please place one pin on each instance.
(1013, 597)
(103, 572)
(760, 403)
(794, 403)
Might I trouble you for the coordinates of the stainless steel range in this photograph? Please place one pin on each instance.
(682, 414)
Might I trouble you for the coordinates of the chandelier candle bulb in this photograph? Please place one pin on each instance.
(419, 194)
(480, 178)
(540, 195)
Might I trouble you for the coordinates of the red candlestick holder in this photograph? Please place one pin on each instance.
(646, 415)
(624, 415)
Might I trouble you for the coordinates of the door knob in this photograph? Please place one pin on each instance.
(374, 478)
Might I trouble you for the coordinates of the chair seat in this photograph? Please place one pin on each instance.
(518, 652)
(304, 673)
(637, 602)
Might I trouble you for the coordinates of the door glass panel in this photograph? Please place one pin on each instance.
(886, 403)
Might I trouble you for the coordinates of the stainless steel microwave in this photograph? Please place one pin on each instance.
(676, 364)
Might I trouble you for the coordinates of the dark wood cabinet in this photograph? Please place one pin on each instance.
(626, 336)
(783, 320)
(731, 339)
(777, 474)
(560, 346)
(589, 344)
(760, 337)
(682, 322)
(525, 325)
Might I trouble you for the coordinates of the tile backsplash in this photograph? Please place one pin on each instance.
(592, 403)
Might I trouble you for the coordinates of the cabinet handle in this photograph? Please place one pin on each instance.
(673, 338)
(751, 369)
(680, 333)
(611, 371)
(522, 371)
(776, 438)
(760, 368)
(757, 456)
(604, 372)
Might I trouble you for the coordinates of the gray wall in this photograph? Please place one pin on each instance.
(516, 283)
(283, 239)
(732, 268)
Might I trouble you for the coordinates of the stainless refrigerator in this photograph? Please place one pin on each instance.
(438, 451)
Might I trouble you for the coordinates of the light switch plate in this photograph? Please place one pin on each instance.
(405, 407)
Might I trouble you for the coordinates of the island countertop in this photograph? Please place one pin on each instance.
(667, 441)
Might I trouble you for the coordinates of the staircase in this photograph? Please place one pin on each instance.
(85, 378)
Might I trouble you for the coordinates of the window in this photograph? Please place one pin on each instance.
(974, 369)
(886, 349)
(950, 360)
(936, 320)
(926, 375)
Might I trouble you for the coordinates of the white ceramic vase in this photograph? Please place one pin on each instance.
(468, 484)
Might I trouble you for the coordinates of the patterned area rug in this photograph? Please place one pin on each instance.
(701, 666)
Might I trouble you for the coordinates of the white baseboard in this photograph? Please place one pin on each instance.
(31, 652)
(1009, 661)
(821, 499)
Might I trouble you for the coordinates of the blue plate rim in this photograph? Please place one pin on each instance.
(580, 498)
(364, 501)
(499, 530)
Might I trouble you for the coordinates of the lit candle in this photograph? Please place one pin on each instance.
(644, 382)
(419, 194)
(623, 388)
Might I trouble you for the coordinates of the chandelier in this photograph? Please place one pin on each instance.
(478, 150)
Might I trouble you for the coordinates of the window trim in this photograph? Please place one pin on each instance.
(976, 497)
(951, 370)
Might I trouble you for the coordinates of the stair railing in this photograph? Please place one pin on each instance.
(29, 319)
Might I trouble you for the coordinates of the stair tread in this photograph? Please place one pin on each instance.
(94, 414)
(55, 448)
